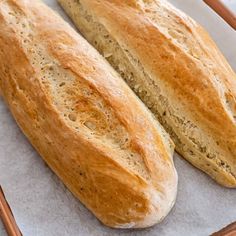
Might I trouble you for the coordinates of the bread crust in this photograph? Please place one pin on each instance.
(175, 68)
(83, 119)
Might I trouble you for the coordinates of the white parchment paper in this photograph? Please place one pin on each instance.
(44, 207)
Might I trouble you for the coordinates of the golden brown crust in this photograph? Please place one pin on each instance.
(83, 119)
(182, 64)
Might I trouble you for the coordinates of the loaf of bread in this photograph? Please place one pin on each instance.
(83, 119)
(175, 68)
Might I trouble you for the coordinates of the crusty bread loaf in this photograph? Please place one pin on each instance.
(83, 119)
(175, 68)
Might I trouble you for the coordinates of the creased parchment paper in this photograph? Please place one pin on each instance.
(44, 207)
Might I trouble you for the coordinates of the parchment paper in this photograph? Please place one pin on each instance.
(44, 207)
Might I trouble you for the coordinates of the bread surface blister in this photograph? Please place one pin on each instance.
(83, 119)
(176, 69)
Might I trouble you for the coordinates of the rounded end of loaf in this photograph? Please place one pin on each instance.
(151, 208)
(223, 173)
(159, 209)
(225, 179)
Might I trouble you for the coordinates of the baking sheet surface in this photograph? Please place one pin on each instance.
(44, 207)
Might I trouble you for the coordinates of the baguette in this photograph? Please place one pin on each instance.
(83, 119)
(175, 68)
